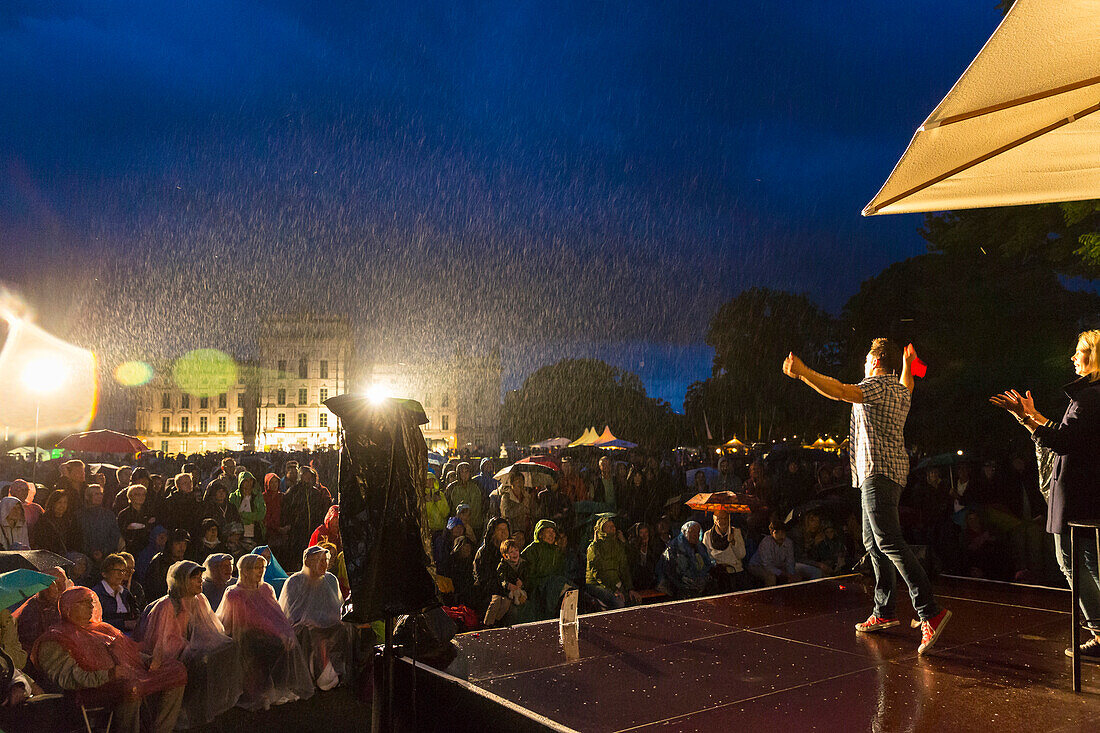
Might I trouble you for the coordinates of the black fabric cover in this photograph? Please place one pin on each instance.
(383, 465)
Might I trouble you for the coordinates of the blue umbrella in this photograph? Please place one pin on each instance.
(17, 586)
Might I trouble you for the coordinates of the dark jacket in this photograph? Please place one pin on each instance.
(111, 614)
(183, 510)
(1075, 483)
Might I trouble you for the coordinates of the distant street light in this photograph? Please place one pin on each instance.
(42, 376)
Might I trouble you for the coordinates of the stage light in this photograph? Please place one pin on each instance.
(43, 375)
(378, 393)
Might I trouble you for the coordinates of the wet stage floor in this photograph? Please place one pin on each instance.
(789, 659)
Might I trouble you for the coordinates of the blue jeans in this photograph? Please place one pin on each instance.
(883, 540)
(1088, 579)
(605, 596)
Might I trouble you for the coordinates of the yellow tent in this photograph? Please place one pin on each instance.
(587, 438)
(819, 443)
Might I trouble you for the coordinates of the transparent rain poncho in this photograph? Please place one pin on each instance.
(275, 669)
(183, 626)
(313, 604)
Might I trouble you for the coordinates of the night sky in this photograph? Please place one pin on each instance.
(560, 179)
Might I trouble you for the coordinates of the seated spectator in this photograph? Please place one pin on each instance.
(21, 686)
(607, 574)
(516, 504)
(274, 575)
(137, 590)
(329, 529)
(156, 577)
(39, 612)
(135, 520)
(217, 577)
(311, 600)
(209, 543)
(726, 546)
(510, 571)
(275, 532)
(774, 561)
(436, 507)
(686, 564)
(51, 530)
(828, 551)
(275, 670)
(486, 561)
(338, 568)
(806, 536)
(81, 652)
(459, 567)
(24, 492)
(181, 626)
(158, 540)
(99, 526)
(462, 513)
(13, 525)
(663, 531)
(116, 602)
(216, 506)
(643, 551)
(235, 543)
(248, 499)
(80, 572)
(444, 543)
(546, 581)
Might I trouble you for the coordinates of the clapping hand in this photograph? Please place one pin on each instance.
(1021, 406)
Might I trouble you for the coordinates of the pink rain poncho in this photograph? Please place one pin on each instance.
(182, 626)
(275, 669)
(100, 647)
(313, 604)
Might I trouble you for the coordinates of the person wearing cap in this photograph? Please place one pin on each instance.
(312, 602)
(156, 577)
(462, 512)
(209, 542)
(217, 577)
(444, 542)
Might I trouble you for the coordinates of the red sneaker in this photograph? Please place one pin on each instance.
(931, 629)
(876, 623)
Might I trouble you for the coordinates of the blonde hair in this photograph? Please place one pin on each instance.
(1092, 340)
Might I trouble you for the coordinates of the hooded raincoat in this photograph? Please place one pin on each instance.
(252, 508)
(608, 565)
(545, 580)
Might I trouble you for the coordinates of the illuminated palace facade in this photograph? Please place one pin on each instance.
(276, 401)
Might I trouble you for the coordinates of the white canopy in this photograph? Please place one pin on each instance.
(1019, 127)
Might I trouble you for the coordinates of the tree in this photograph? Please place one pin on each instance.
(747, 393)
(1064, 237)
(565, 398)
(983, 325)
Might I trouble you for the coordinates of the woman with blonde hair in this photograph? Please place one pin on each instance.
(1074, 478)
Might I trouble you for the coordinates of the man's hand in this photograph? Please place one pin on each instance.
(909, 355)
(793, 366)
(635, 597)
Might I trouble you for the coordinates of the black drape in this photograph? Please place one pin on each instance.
(383, 464)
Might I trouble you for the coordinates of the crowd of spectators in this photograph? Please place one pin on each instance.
(225, 574)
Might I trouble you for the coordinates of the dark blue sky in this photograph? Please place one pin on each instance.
(578, 178)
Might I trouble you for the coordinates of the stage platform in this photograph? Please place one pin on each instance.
(785, 659)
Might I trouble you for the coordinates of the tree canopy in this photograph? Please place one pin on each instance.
(563, 399)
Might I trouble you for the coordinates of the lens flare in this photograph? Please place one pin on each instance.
(133, 373)
(205, 372)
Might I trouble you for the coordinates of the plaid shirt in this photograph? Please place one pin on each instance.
(876, 430)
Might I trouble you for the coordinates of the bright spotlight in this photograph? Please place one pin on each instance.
(43, 375)
(378, 393)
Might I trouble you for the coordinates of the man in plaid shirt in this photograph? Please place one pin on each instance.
(880, 465)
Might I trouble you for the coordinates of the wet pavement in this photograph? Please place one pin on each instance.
(790, 657)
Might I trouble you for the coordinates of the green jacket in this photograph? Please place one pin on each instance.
(608, 566)
(543, 559)
(259, 509)
(468, 493)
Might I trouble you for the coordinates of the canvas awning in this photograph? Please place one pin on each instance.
(607, 439)
(1019, 127)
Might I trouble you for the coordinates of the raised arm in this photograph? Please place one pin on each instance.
(907, 358)
(829, 387)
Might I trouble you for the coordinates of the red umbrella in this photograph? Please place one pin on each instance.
(103, 441)
(547, 461)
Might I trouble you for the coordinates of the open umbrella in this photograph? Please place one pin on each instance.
(32, 560)
(543, 466)
(1020, 126)
(719, 501)
(27, 451)
(17, 586)
(103, 441)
